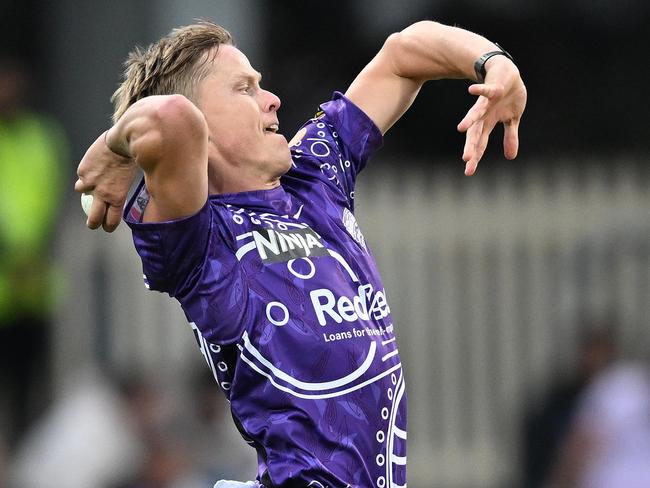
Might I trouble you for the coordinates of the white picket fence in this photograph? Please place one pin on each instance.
(485, 276)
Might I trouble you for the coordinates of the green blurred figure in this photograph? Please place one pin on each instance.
(33, 154)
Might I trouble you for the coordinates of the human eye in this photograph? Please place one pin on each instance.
(246, 88)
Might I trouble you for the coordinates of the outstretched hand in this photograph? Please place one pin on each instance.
(108, 176)
(501, 99)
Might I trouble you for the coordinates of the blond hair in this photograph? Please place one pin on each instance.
(174, 64)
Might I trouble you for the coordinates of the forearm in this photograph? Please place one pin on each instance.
(428, 51)
(167, 137)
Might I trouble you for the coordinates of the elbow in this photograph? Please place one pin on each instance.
(176, 117)
(422, 28)
(177, 109)
(170, 120)
(394, 45)
(399, 50)
(391, 54)
(408, 50)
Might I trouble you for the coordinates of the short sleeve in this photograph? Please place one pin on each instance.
(619, 396)
(172, 252)
(334, 147)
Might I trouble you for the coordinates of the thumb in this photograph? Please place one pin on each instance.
(487, 90)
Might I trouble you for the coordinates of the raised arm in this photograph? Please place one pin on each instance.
(427, 50)
(167, 137)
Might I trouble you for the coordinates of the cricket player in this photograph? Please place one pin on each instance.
(257, 240)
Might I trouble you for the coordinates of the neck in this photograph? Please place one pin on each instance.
(227, 182)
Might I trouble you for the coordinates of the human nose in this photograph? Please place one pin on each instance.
(271, 102)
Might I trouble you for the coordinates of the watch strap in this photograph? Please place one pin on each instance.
(479, 64)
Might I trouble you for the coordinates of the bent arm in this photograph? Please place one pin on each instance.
(166, 136)
(427, 50)
(424, 51)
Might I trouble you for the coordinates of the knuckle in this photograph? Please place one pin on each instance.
(101, 194)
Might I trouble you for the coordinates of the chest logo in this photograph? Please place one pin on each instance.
(275, 246)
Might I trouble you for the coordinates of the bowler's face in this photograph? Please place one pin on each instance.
(242, 117)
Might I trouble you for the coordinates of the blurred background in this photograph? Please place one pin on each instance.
(521, 295)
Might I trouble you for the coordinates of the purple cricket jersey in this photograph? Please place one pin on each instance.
(290, 313)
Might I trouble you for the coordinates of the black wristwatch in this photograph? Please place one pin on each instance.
(479, 64)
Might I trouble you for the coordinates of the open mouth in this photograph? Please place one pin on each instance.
(273, 128)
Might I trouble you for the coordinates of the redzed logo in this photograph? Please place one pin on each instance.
(365, 305)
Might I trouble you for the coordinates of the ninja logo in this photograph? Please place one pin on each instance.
(276, 246)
